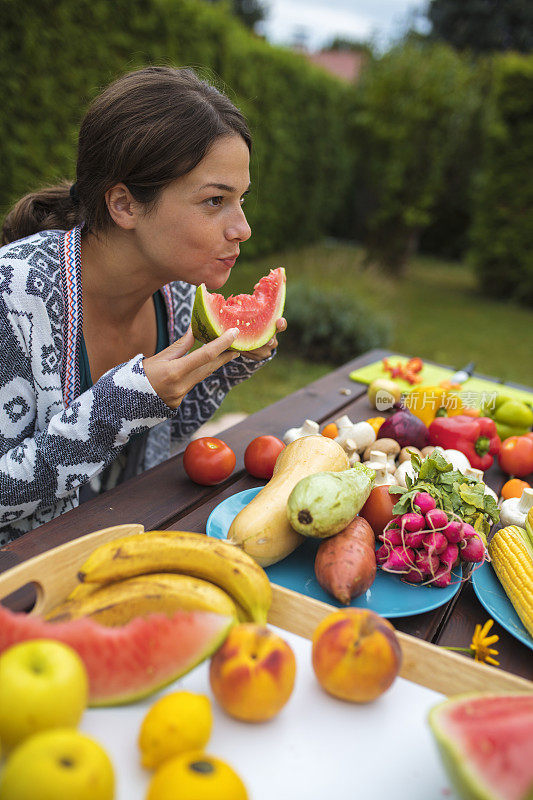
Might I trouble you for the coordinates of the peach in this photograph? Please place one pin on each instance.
(356, 654)
(252, 674)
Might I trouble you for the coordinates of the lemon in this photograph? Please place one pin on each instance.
(175, 723)
(196, 776)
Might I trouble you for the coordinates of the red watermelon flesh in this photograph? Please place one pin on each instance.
(486, 742)
(254, 314)
(128, 662)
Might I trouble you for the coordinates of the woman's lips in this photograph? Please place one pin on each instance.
(228, 262)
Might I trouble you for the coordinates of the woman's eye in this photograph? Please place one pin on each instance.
(243, 200)
(215, 201)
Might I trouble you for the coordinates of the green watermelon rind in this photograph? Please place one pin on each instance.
(97, 643)
(204, 327)
(464, 776)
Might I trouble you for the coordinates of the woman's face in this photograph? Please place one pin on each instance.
(194, 232)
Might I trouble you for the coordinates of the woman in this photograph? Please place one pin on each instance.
(94, 384)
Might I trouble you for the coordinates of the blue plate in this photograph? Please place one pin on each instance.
(388, 595)
(491, 595)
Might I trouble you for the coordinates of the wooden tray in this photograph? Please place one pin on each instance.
(54, 575)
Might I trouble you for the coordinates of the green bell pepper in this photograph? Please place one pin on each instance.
(512, 417)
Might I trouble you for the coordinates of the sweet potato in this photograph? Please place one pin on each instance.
(345, 564)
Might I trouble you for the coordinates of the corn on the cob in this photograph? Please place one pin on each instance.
(512, 560)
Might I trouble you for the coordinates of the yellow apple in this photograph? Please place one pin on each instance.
(59, 764)
(43, 684)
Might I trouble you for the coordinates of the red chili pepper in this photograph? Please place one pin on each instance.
(415, 365)
(476, 438)
(412, 377)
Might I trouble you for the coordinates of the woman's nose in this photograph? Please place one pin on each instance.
(239, 228)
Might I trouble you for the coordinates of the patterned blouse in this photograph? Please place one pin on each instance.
(55, 441)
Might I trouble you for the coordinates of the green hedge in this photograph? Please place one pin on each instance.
(55, 55)
(502, 233)
(413, 112)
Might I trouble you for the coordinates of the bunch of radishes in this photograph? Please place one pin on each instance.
(424, 547)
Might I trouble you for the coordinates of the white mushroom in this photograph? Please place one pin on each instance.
(406, 468)
(343, 422)
(383, 476)
(307, 429)
(362, 433)
(406, 452)
(514, 510)
(457, 459)
(388, 446)
(353, 455)
(384, 460)
(470, 472)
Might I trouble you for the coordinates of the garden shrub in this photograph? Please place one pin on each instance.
(502, 232)
(412, 112)
(330, 326)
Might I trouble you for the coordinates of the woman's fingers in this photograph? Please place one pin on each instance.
(205, 354)
(266, 350)
(174, 371)
(175, 350)
(173, 375)
(180, 347)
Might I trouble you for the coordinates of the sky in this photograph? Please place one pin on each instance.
(317, 22)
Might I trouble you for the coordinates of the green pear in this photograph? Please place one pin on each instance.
(323, 504)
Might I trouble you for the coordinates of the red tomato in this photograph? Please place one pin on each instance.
(378, 508)
(208, 460)
(516, 456)
(261, 454)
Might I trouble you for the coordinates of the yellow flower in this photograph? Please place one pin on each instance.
(481, 644)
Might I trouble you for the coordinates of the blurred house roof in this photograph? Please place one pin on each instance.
(345, 64)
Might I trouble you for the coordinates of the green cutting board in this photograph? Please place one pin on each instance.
(432, 375)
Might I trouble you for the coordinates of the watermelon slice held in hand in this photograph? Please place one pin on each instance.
(486, 744)
(254, 314)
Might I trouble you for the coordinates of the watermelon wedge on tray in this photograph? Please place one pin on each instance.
(254, 314)
(131, 661)
(486, 744)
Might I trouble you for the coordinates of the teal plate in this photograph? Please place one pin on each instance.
(492, 596)
(388, 595)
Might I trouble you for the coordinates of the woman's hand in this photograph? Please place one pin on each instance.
(266, 350)
(174, 371)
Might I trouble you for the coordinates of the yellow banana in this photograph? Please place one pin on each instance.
(118, 603)
(190, 553)
(82, 590)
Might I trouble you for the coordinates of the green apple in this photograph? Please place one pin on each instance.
(43, 684)
(59, 764)
(383, 394)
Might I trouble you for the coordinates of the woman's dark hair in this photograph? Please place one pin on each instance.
(146, 129)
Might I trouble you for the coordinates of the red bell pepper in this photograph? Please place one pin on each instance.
(477, 438)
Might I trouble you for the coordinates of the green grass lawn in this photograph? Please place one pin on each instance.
(435, 312)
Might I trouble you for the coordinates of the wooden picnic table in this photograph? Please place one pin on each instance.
(164, 498)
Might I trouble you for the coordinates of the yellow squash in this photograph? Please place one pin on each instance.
(262, 528)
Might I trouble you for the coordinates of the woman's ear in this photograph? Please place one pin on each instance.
(122, 206)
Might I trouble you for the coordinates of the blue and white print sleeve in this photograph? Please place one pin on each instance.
(38, 468)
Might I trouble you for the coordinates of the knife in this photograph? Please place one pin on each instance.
(463, 374)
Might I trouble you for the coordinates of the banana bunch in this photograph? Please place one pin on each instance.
(163, 571)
